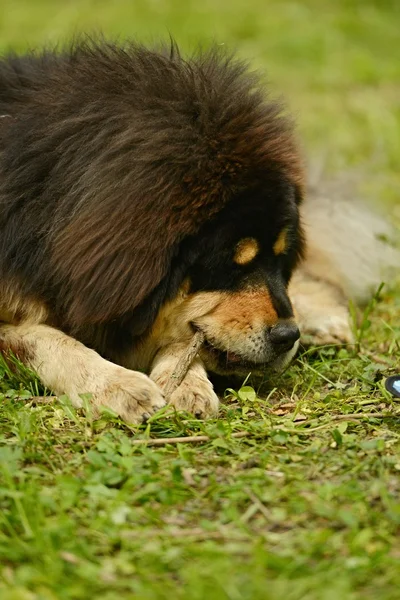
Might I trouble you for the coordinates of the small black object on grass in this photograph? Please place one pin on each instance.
(392, 385)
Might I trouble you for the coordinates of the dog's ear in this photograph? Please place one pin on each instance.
(106, 266)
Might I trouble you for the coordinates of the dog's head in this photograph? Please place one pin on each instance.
(238, 284)
(235, 286)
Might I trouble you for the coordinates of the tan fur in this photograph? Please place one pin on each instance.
(169, 338)
(171, 326)
(321, 310)
(239, 321)
(281, 243)
(246, 250)
(346, 244)
(243, 310)
(67, 367)
(16, 309)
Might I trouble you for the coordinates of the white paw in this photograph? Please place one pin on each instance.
(197, 397)
(323, 329)
(132, 395)
(194, 395)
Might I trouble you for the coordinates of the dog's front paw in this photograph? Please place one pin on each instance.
(322, 329)
(196, 396)
(132, 395)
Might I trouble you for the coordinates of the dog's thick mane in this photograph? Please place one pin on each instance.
(111, 156)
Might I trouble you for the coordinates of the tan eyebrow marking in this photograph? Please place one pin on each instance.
(246, 250)
(281, 243)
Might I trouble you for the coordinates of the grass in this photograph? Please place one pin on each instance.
(307, 505)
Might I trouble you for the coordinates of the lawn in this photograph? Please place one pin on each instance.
(295, 491)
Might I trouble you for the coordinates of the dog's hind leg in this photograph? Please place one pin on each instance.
(66, 366)
(195, 394)
(347, 257)
(321, 311)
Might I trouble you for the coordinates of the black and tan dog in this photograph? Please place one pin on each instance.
(144, 196)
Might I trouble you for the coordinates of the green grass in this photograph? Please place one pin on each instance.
(307, 506)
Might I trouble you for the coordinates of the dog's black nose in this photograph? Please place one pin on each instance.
(284, 335)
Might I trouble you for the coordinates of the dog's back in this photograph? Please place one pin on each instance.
(350, 252)
(350, 244)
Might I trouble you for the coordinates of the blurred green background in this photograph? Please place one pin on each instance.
(337, 62)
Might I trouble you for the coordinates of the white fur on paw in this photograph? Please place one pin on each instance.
(196, 396)
(132, 395)
(321, 330)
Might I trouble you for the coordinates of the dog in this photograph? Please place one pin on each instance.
(143, 197)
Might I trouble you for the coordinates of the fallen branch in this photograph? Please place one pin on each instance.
(190, 439)
(371, 415)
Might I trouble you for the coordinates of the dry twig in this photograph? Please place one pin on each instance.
(190, 439)
(183, 364)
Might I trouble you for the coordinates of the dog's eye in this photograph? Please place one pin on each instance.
(246, 251)
(280, 245)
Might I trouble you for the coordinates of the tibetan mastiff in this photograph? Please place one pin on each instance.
(145, 196)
